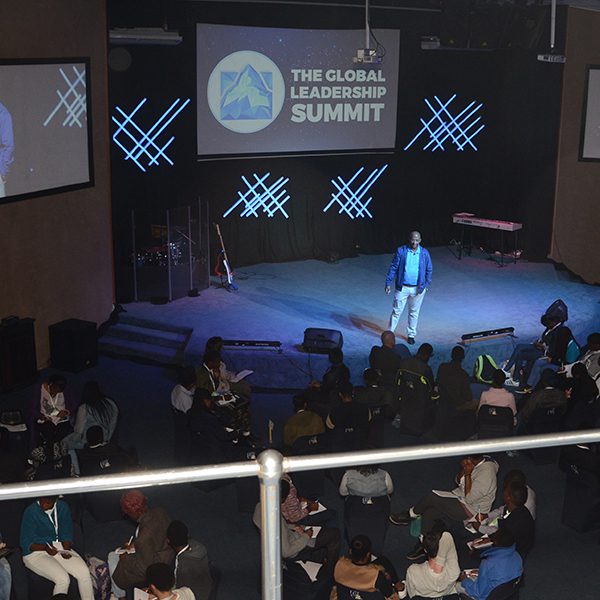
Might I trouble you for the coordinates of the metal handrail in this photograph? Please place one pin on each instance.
(270, 466)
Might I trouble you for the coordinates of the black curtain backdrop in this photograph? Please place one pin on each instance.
(511, 177)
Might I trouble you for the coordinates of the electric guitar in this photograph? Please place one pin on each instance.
(222, 267)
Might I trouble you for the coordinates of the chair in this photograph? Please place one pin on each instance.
(362, 517)
(310, 483)
(545, 420)
(581, 503)
(417, 408)
(494, 422)
(452, 425)
(506, 591)
(376, 426)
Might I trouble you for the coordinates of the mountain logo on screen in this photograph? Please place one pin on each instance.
(245, 91)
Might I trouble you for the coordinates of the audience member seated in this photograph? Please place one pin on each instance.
(590, 358)
(161, 584)
(182, 394)
(5, 575)
(349, 421)
(517, 518)
(297, 541)
(375, 394)
(46, 543)
(213, 376)
(474, 494)
(582, 410)
(416, 393)
(489, 524)
(302, 511)
(95, 409)
(191, 561)
(498, 395)
(214, 438)
(103, 458)
(360, 572)
(303, 422)
(546, 395)
(241, 387)
(386, 358)
(323, 394)
(52, 414)
(499, 564)
(367, 491)
(436, 577)
(550, 348)
(127, 565)
(453, 382)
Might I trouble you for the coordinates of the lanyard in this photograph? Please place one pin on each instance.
(177, 559)
(53, 516)
(212, 378)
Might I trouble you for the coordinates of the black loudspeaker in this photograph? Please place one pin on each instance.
(73, 345)
(322, 340)
(18, 364)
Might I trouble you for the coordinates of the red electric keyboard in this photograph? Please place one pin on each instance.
(471, 219)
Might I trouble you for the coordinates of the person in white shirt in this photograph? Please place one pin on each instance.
(436, 577)
(161, 582)
(182, 395)
(474, 494)
(497, 395)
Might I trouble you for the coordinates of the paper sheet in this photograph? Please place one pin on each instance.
(241, 375)
(321, 508)
(140, 594)
(443, 494)
(312, 569)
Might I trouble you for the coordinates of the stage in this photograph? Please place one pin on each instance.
(278, 301)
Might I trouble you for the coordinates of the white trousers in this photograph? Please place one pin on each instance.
(2, 188)
(57, 569)
(408, 294)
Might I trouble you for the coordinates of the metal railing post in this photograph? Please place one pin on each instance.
(269, 474)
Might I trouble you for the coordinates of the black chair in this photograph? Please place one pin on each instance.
(545, 420)
(581, 503)
(376, 426)
(453, 425)
(417, 408)
(506, 591)
(494, 422)
(310, 483)
(345, 593)
(367, 516)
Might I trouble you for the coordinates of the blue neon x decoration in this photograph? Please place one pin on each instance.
(351, 200)
(443, 126)
(269, 198)
(144, 147)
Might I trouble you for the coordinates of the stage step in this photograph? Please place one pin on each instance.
(146, 341)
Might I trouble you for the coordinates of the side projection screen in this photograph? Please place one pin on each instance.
(590, 132)
(265, 90)
(44, 128)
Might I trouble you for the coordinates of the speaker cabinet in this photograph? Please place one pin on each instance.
(18, 364)
(73, 345)
(322, 340)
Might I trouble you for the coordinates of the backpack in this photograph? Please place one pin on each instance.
(573, 351)
(484, 368)
(100, 577)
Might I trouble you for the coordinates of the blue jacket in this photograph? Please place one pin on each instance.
(396, 270)
(37, 528)
(498, 565)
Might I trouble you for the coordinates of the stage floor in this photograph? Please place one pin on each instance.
(278, 301)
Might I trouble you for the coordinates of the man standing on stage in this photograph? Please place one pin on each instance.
(411, 269)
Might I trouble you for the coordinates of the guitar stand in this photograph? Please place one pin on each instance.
(230, 287)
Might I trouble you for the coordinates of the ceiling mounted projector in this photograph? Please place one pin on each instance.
(149, 36)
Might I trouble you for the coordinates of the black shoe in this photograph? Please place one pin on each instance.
(411, 341)
(402, 518)
(416, 553)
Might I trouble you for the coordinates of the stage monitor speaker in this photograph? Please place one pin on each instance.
(73, 345)
(322, 340)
